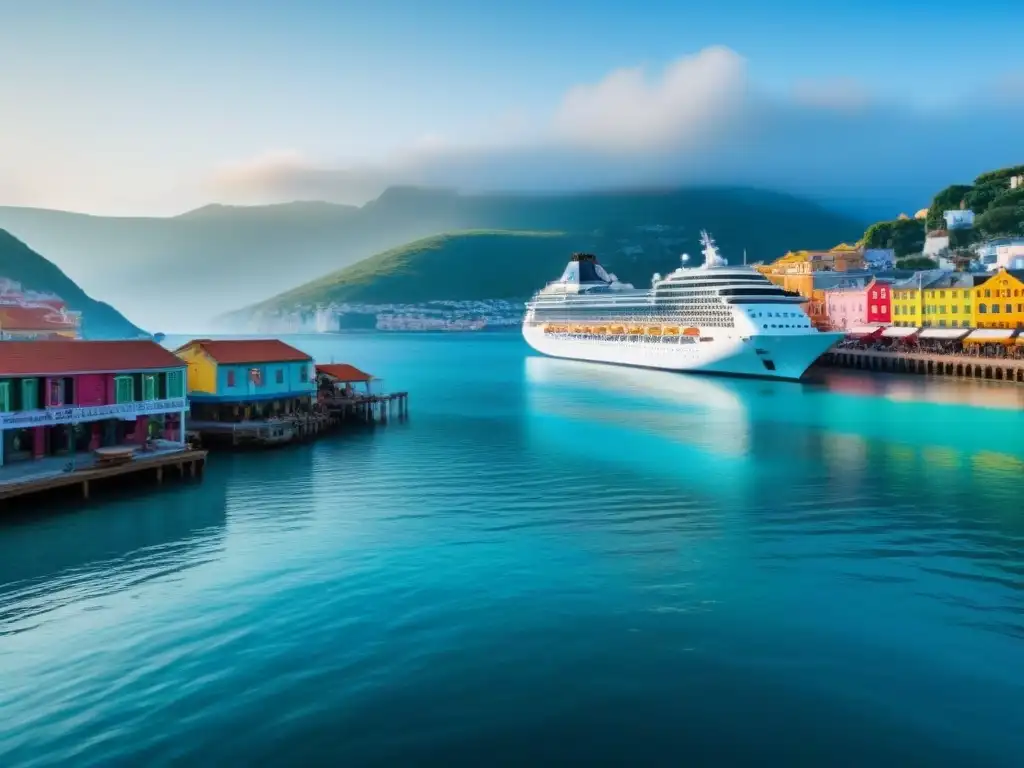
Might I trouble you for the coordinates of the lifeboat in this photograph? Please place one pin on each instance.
(671, 330)
(617, 330)
(601, 330)
(691, 332)
(654, 330)
(635, 329)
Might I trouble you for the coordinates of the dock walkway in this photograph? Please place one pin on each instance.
(962, 366)
(35, 477)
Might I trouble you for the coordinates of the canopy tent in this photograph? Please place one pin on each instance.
(990, 336)
(899, 332)
(863, 331)
(950, 334)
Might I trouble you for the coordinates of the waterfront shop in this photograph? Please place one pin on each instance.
(62, 397)
(242, 380)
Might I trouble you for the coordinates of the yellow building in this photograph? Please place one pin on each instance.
(999, 300)
(947, 301)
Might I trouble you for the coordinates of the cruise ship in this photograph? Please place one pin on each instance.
(713, 318)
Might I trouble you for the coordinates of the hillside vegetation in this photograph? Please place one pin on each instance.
(470, 265)
(512, 264)
(998, 210)
(21, 263)
(219, 257)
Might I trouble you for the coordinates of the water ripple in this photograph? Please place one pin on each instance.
(552, 564)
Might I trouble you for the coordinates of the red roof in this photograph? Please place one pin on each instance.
(57, 358)
(343, 372)
(240, 351)
(18, 318)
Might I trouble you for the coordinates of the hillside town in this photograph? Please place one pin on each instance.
(429, 316)
(33, 315)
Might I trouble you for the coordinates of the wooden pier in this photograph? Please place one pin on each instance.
(954, 366)
(331, 415)
(182, 464)
(368, 409)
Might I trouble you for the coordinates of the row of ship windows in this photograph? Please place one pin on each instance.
(776, 314)
(635, 338)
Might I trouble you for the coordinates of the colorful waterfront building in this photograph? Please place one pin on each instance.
(907, 298)
(238, 380)
(999, 299)
(946, 301)
(858, 303)
(60, 397)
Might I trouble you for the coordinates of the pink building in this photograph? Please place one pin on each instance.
(846, 308)
(851, 306)
(61, 397)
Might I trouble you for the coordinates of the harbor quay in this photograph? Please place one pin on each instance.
(978, 353)
(78, 416)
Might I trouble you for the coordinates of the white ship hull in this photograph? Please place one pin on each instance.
(782, 356)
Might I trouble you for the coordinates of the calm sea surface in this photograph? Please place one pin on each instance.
(549, 563)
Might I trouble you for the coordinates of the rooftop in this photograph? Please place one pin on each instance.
(950, 280)
(60, 358)
(343, 372)
(243, 351)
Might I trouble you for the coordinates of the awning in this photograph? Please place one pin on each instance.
(865, 330)
(944, 333)
(989, 335)
(899, 332)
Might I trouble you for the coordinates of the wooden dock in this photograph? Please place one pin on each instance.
(332, 414)
(369, 409)
(926, 363)
(182, 464)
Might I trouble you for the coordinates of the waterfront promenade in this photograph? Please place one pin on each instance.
(951, 364)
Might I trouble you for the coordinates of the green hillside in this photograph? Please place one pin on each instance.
(478, 264)
(219, 258)
(99, 320)
(998, 208)
(512, 264)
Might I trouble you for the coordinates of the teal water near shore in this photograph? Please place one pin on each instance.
(550, 562)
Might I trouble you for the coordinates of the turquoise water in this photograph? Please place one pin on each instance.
(549, 563)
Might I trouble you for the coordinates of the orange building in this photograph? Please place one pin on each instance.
(811, 273)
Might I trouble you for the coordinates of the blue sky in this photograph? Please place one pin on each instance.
(156, 107)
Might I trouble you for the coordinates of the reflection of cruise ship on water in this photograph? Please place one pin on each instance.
(708, 319)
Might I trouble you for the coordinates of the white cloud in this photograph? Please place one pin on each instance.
(627, 111)
(700, 121)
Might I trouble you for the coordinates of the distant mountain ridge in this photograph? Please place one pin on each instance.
(99, 320)
(511, 264)
(219, 258)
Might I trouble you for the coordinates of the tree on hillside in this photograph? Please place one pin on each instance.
(980, 197)
(960, 239)
(948, 199)
(878, 235)
(1002, 221)
(904, 236)
(916, 262)
(1009, 198)
(1001, 175)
